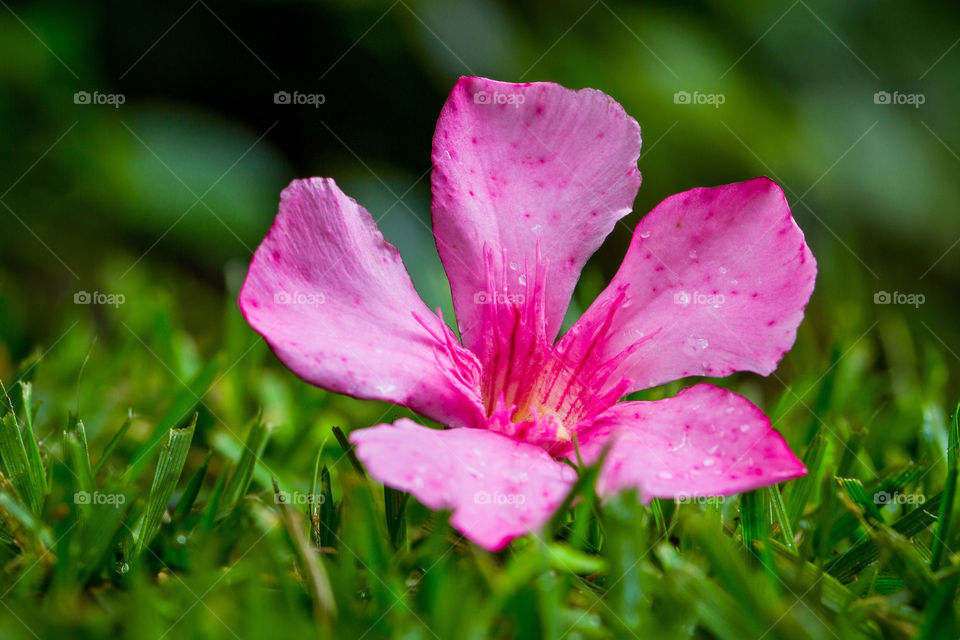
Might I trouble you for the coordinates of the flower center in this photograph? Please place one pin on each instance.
(534, 390)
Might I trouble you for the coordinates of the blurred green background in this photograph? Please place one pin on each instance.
(163, 198)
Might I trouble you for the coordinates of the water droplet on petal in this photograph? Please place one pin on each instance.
(693, 345)
(709, 462)
(693, 253)
(644, 234)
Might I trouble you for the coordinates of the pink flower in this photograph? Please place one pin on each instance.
(528, 180)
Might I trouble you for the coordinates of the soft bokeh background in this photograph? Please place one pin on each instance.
(162, 198)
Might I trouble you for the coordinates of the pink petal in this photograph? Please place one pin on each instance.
(333, 300)
(498, 488)
(715, 281)
(521, 170)
(705, 441)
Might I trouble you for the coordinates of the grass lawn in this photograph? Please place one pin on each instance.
(154, 487)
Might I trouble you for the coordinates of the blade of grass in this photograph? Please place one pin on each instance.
(949, 494)
(38, 474)
(169, 467)
(751, 519)
(313, 507)
(861, 555)
(243, 473)
(318, 582)
(114, 441)
(348, 450)
(802, 488)
(190, 493)
(183, 404)
(78, 453)
(780, 516)
(16, 466)
(395, 503)
(327, 522)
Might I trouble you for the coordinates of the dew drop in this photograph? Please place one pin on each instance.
(644, 234)
(522, 278)
(709, 462)
(745, 427)
(693, 253)
(723, 269)
(693, 345)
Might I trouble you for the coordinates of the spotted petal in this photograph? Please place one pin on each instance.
(333, 300)
(705, 441)
(715, 281)
(528, 180)
(498, 488)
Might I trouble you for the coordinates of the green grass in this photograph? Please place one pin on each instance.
(150, 491)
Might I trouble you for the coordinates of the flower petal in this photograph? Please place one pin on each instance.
(498, 488)
(705, 441)
(527, 178)
(715, 281)
(333, 300)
